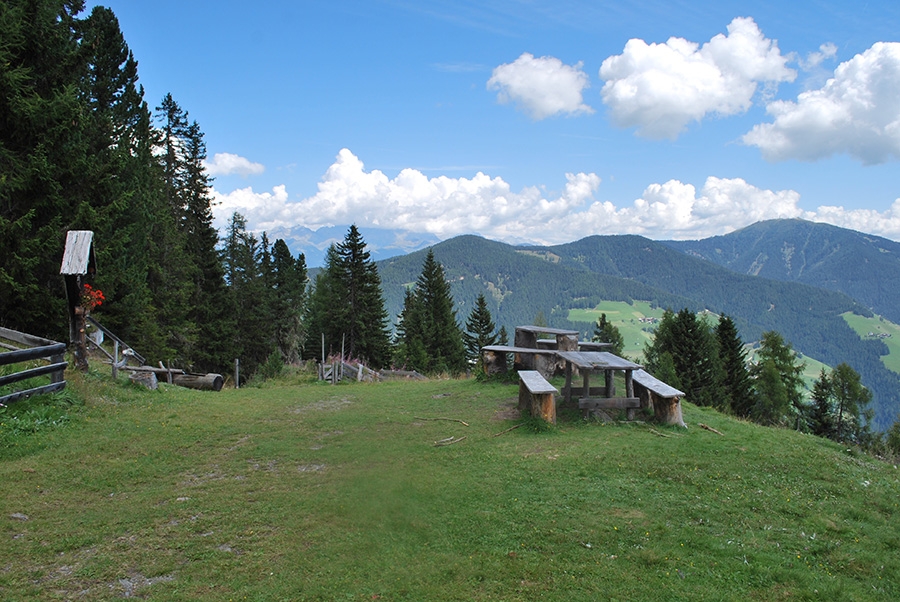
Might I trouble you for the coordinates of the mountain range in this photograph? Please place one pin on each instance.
(792, 276)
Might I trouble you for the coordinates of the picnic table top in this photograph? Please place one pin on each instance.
(597, 360)
(509, 349)
(546, 330)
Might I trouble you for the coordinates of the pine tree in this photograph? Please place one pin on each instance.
(850, 398)
(365, 321)
(42, 158)
(480, 332)
(822, 418)
(289, 307)
(245, 265)
(347, 307)
(772, 396)
(409, 351)
(687, 344)
(776, 354)
(435, 328)
(606, 332)
(737, 386)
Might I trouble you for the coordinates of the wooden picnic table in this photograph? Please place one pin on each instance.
(592, 362)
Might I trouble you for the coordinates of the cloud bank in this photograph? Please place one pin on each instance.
(541, 87)
(856, 112)
(446, 207)
(661, 88)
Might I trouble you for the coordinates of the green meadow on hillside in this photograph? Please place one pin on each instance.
(297, 490)
(628, 319)
(880, 328)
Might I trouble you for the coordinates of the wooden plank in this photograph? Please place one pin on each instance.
(33, 372)
(511, 349)
(8, 399)
(598, 360)
(29, 340)
(545, 330)
(611, 403)
(654, 384)
(24, 355)
(78, 254)
(535, 383)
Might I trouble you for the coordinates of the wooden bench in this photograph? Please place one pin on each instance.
(537, 395)
(665, 399)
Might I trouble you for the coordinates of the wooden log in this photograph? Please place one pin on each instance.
(203, 382)
(23, 355)
(26, 374)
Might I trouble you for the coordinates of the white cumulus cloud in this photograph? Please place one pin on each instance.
(856, 112)
(224, 164)
(541, 87)
(485, 205)
(661, 88)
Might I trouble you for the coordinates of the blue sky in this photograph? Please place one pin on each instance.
(535, 121)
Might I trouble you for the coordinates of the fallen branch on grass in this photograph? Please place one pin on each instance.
(448, 441)
(709, 428)
(658, 434)
(512, 428)
(450, 419)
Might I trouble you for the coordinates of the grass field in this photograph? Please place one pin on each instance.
(879, 326)
(305, 491)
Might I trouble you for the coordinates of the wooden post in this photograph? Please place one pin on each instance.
(115, 362)
(79, 346)
(629, 383)
(610, 383)
(237, 373)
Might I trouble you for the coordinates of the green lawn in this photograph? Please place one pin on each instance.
(306, 491)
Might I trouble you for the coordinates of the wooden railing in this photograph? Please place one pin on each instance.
(35, 348)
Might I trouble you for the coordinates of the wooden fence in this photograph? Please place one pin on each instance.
(34, 348)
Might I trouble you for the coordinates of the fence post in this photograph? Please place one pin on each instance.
(115, 362)
(237, 373)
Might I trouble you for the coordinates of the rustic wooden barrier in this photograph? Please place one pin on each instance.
(36, 348)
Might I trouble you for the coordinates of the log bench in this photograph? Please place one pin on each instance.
(537, 396)
(664, 399)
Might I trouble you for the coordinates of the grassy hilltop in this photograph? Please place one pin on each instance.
(305, 491)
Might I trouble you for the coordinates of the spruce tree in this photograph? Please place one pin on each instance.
(737, 386)
(480, 332)
(440, 334)
(606, 332)
(43, 156)
(365, 319)
(289, 306)
(409, 351)
(822, 417)
(776, 354)
(347, 307)
(686, 344)
(851, 399)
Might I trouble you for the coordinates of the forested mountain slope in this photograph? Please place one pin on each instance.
(519, 282)
(863, 266)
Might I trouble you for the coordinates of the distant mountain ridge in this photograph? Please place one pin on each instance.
(519, 282)
(863, 266)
